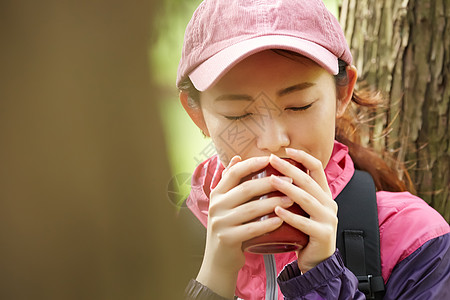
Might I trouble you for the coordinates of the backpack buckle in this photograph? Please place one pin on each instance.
(365, 286)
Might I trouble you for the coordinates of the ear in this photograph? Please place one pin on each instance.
(345, 93)
(195, 113)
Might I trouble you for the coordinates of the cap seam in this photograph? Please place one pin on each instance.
(328, 24)
(197, 43)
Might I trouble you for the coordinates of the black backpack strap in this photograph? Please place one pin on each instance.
(358, 237)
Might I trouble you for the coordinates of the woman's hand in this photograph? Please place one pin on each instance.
(313, 195)
(230, 222)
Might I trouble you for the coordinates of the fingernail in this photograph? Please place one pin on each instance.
(279, 211)
(262, 158)
(232, 160)
(281, 178)
(291, 150)
(286, 200)
(276, 178)
(275, 160)
(285, 178)
(275, 220)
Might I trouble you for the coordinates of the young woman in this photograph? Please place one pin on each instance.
(267, 80)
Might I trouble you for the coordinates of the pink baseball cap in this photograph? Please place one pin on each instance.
(222, 33)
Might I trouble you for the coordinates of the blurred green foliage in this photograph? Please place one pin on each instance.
(170, 27)
(184, 140)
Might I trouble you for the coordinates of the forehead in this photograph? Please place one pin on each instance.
(270, 68)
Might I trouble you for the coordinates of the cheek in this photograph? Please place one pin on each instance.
(324, 138)
(315, 134)
(230, 138)
(233, 138)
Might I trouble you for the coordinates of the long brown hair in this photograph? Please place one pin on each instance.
(385, 176)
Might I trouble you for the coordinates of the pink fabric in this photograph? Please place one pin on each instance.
(205, 178)
(406, 222)
(222, 33)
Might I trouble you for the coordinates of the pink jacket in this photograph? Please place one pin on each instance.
(406, 222)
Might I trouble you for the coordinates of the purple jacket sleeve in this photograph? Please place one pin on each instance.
(425, 274)
(197, 291)
(328, 280)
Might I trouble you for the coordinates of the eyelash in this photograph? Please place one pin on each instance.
(235, 118)
(300, 108)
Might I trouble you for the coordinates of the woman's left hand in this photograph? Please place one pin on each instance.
(312, 193)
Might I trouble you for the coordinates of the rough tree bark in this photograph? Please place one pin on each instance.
(402, 48)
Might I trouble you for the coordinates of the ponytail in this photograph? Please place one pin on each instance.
(385, 176)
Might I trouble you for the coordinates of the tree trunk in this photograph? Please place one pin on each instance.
(84, 211)
(402, 48)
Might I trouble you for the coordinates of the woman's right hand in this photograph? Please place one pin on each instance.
(230, 222)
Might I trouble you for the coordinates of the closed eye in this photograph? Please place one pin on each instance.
(234, 118)
(301, 108)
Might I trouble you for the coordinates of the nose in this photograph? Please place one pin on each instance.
(273, 136)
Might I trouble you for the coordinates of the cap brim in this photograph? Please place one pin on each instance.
(212, 69)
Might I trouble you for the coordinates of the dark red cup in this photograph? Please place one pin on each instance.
(285, 238)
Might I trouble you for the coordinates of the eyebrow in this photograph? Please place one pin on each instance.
(295, 88)
(234, 97)
(282, 92)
